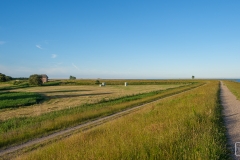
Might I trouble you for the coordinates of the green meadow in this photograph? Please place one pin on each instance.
(18, 130)
(185, 126)
(186, 122)
(17, 99)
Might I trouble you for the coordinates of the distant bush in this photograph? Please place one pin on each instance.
(72, 77)
(54, 83)
(35, 80)
(8, 78)
(97, 82)
(18, 82)
(4, 78)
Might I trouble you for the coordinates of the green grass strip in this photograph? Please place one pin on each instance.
(16, 99)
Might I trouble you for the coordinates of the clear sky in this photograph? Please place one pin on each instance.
(120, 38)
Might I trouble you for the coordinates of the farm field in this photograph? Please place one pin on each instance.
(62, 97)
(4, 84)
(185, 126)
(17, 99)
(17, 130)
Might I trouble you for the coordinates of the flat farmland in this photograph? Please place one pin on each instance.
(63, 97)
(183, 126)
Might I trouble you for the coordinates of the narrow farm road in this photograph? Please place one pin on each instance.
(35, 143)
(231, 114)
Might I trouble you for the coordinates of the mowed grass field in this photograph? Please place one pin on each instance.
(19, 129)
(186, 126)
(63, 97)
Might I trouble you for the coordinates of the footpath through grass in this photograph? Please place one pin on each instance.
(234, 87)
(187, 126)
(17, 130)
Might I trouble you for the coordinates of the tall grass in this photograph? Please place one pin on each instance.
(234, 87)
(17, 130)
(187, 126)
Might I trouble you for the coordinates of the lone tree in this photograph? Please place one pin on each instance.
(72, 77)
(35, 80)
(193, 77)
(97, 82)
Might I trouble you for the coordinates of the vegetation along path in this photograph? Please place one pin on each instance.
(231, 113)
(11, 151)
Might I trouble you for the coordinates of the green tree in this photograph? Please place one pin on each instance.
(97, 82)
(8, 78)
(72, 77)
(35, 80)
(2, 77)
(193, 77)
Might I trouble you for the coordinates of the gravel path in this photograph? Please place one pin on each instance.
(231, 114)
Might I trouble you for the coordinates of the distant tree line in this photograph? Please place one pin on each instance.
(20, 78)
(34, 79)
(4, 78)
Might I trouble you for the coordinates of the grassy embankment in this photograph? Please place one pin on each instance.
(186, 126)
(17, 130)
(234, 87)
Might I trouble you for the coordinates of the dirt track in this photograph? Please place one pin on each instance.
(231, 114)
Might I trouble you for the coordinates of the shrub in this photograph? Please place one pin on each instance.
(35, 80)
(8, 78)
(2, 77)
(72, 77)
(97, 82)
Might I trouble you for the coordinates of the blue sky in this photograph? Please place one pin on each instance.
(120, 38)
